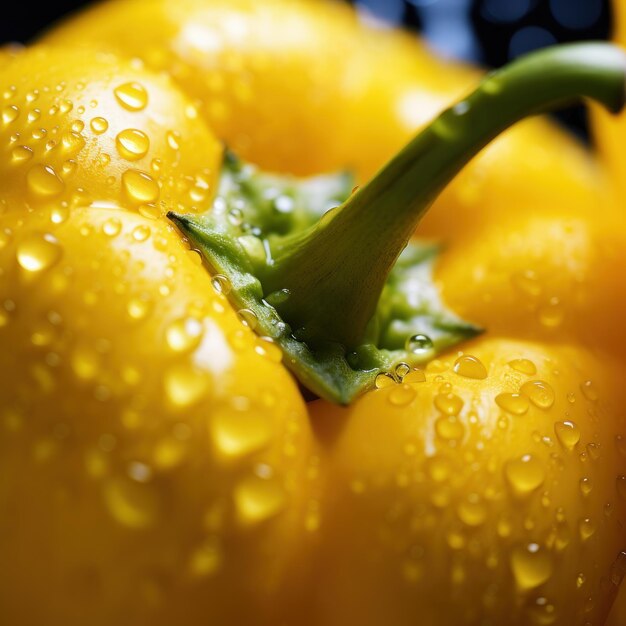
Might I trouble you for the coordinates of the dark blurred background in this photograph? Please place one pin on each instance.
(489, 32)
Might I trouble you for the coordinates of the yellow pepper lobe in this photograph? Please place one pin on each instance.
(137, 461)
(123, 372)
(500, 502)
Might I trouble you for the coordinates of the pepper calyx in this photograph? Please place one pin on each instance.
(251, 213)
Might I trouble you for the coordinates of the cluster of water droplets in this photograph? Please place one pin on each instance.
(543, 499)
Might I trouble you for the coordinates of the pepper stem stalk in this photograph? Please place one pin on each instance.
(332, 275)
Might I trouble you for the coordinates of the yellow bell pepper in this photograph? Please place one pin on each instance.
(159, 465)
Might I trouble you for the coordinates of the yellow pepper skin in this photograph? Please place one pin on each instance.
(542, 277)
(140, 421)
(200, 477)
(476, 494)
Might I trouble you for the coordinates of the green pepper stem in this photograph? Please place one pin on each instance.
(333, 274)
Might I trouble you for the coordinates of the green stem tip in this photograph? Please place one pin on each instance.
(327, 285)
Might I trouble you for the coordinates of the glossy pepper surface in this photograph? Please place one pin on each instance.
(141, 411)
